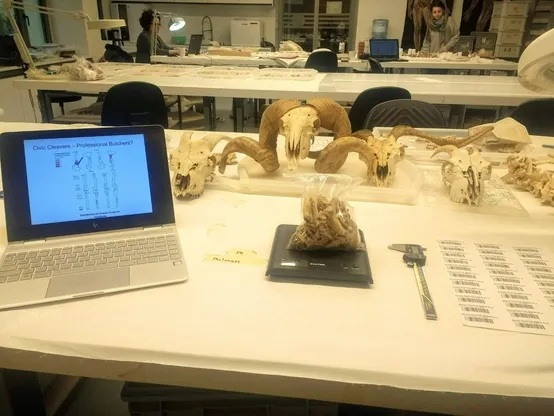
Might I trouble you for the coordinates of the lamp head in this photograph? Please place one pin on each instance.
(536, 64)
(176, 23)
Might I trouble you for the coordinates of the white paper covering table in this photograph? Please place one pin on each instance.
(230, 328)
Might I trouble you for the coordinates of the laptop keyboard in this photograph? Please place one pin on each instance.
(36, 264)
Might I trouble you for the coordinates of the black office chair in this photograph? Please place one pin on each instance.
(134, 103)
(323, 61)
(368, 99)
(536, 115)
(405, 112)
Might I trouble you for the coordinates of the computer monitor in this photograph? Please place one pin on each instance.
(384, 48)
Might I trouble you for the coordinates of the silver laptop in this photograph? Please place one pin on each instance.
(88, 212)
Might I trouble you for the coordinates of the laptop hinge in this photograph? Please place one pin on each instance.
(157, 227)
(28, 243)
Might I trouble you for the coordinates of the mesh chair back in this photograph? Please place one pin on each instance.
(323, 61)
(536, 115)
(368, 99)
(405, 112)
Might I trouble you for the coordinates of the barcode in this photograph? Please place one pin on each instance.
(543, 276)
(451, 242)
(541, 269)
(473, 291)
(510, 287)
(545, 291)
(494, 258)
(519, 305)
(530, 256)
(454, 267)
(498, 265)
(528, 315)
(501, 272)
(462, 275)
(471, 300)
(526, 249)
(505, 280)
(465, 283)
(492, 252)
(494, 246)
(535, 262)
(545, 284)
(479, 319)
(451, 248)
(478, 309)
(456, 261)
(453, 254)
(514, 296)
(530, 325)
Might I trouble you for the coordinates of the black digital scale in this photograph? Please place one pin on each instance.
(336, 265)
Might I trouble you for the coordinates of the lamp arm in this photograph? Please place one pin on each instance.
(20, 42)
(45, 10)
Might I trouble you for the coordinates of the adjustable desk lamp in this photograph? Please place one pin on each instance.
(10, 5)
(536, 64)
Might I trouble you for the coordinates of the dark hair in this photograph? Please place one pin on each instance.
(146, 18)
(438, 3)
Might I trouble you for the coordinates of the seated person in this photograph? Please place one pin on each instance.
(150, 30)
(442, 32)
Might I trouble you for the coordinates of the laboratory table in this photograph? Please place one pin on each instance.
(230, 328)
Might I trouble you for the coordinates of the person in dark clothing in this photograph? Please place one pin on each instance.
(150, 26)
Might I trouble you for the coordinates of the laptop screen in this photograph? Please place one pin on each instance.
(384, 48)
(66, 182)
(83, 178)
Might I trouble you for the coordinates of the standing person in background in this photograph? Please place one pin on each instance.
(442, 31)
(151, 26)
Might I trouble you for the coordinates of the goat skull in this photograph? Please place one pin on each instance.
(464, 173)
(193, 163)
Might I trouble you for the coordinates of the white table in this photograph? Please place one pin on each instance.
(436, 89)
(12, 71)
(475, 63)
(230, 328)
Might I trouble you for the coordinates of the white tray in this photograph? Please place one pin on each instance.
(226, 72)
(287, 74)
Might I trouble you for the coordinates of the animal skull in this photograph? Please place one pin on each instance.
(299, 126)
(387, 153)
(465, 173)
(193, 163)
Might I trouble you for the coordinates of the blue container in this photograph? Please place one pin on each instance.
(380, 28)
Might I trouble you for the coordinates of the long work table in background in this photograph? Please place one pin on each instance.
(455, 90)
(230, 328)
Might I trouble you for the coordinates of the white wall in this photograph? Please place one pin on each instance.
(193, 14)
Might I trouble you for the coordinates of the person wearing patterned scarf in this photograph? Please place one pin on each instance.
(442, 32)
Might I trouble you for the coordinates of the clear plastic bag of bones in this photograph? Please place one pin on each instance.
(328, 220)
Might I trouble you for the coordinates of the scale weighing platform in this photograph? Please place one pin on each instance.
(335, 265)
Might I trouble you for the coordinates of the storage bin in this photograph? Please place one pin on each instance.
(512, 8)
(502, 51)
(507, 23)
(380, 28)
(485, 40)
(510, 38)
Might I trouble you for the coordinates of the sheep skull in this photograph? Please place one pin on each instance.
(464, 173)
(386, 154)
(299, 126)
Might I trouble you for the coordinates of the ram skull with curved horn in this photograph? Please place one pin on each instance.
(299, 123)
(193, 163)
(381, 155)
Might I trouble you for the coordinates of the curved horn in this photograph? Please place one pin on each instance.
(449, 148)
(213, 139)
(400, 131)
(271, 122)
(332, 116)
(331, 159)
(186, 137)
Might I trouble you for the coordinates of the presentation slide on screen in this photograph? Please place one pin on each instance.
(85, 178)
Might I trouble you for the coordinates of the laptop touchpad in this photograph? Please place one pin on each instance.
(88, 282)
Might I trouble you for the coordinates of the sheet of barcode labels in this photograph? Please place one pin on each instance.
(502, 287)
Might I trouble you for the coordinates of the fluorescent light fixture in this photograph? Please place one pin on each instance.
(105, 24)
(176, 23)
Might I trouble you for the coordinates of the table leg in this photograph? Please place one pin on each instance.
(457, 116)
(238, 114)
(209, 113)
(24, 393)
(45, 104)
(180, 110)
